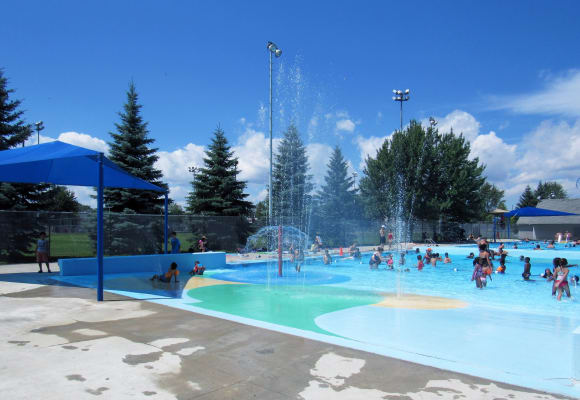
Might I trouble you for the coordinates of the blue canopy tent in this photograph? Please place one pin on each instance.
(65, 164)
(534, 212)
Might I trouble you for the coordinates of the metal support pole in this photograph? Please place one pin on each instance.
(270, 183)
(401, 115)
(100, 229)
(166, 220)
(280, 262)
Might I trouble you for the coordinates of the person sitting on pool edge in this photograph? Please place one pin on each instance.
(197, 269)
(375, 260)
(173, 272)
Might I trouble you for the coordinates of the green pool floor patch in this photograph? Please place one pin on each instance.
(292, 306)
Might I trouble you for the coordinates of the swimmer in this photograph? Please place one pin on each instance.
(402, 259)
(326, 259)
(447, 260)
(375, 260)
(390, 262)
(299, 259)
(173, 272)
(527, 269)
(478, 275)
(522, 258)
(197, 269)
(547, 274)
(471, 255)
(537, 247)
(419, 262)
(562, 279)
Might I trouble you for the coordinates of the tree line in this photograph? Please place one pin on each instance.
(417, 174)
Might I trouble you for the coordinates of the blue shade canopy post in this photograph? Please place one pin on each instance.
(65, 164)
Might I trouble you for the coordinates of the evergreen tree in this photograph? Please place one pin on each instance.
(130, 150)
(492, 198)
(216, 188)
(336, 202)
(527, 199)
(261, 210)
(550, 190)
(291, 183)
(16, 237)
(60, 198)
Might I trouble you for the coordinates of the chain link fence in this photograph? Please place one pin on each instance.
(74, 234)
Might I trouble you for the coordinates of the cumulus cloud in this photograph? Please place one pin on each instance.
(551, 151)
(345, 125)
(84, 140)
(253, 152)
(498, 156)
(318, 155)
(460, 121)
(368, 147)
(175, 164)
(559, 96)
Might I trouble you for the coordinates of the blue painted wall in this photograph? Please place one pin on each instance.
(154, 263)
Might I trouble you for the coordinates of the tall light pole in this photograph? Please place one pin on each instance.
(432, 122)
(401, 96)
(39, 126)
(272, 50)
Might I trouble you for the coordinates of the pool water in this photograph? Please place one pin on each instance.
(436, 316)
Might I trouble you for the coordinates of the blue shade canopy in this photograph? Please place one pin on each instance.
(535, 212)
(65, 164)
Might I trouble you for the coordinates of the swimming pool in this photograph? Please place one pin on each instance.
(435, 317)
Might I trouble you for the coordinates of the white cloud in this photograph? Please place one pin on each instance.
(74, 138)
(318, 156)
(558, 97)
(84, 140)
(497, 156)
(253, 152)
(368, 147)
(345, 125)
(175, 164)
(551, 152)
(460, 121)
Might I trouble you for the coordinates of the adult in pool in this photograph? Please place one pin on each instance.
(375, 260)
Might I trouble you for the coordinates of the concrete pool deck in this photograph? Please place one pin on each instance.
(58, 342)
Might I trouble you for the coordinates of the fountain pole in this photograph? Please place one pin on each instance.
(280, 250)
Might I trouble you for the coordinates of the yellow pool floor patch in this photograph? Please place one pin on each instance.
(419, 302)
(197, 282)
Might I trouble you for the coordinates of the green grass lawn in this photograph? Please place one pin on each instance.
(70, 245)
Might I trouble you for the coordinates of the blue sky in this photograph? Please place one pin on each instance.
(506, 74)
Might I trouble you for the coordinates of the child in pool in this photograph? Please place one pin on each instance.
(197, 269)
(447, 260)
(173, 272)
(326, 259)
(390, 262)
(527, 269)
(402, 259)
(419, 262)
(478, 274)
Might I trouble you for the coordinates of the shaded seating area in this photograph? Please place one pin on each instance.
(65, 164)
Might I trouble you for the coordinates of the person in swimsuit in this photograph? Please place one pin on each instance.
(173, 272)
(299, 259)
(390, 239)
(402, 259)
(447, 260)
(527, 269)
(326, 259)
(501, 269)
(548, 274)
(197, 269)
(42, 246)
(419, 263)
(382, 238)
(561, 281)
(478, 275)
(375, 260)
